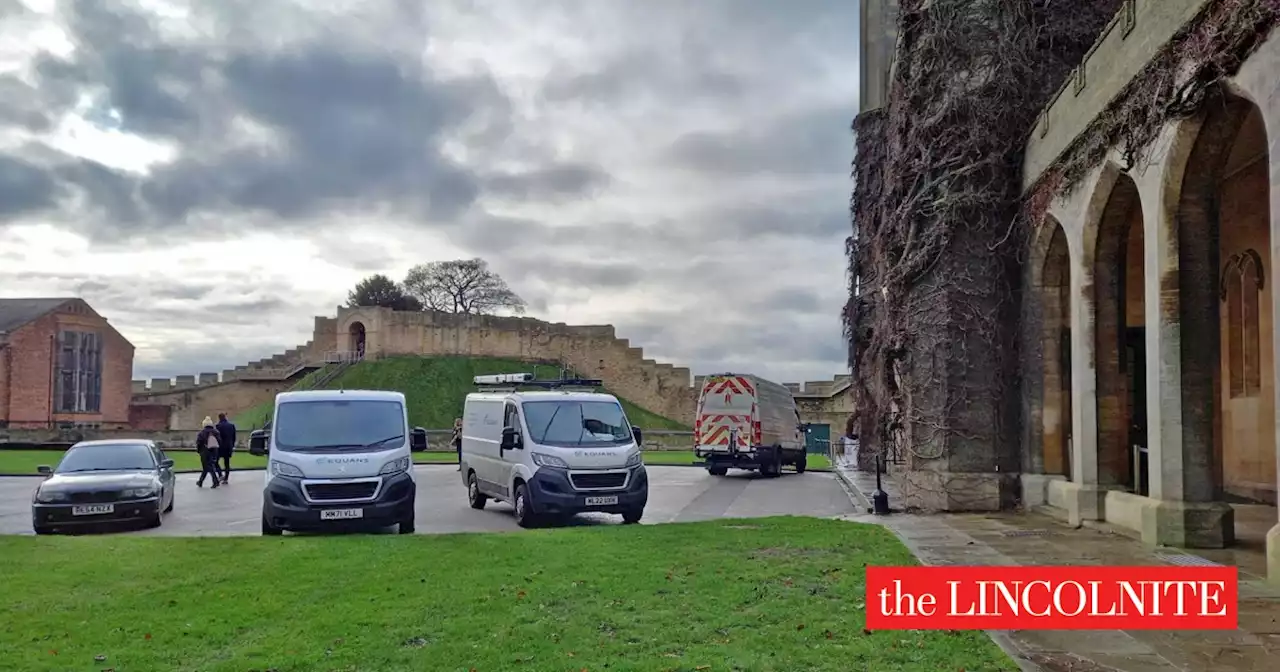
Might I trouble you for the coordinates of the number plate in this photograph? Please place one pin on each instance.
(602, 501)
(341, 514)
(92, 509)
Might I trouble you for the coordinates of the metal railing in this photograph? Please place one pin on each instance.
(272, 373)
(343, 356)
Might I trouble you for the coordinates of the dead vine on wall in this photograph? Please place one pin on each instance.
(1176, 84)
(933, 259)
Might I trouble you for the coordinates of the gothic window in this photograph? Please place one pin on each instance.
(78, 380)
(1241, 288)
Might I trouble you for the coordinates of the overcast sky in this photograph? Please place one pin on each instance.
(211, 175)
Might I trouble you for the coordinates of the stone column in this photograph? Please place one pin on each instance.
(1179, 401)
(1084, 500)
(1257, 81)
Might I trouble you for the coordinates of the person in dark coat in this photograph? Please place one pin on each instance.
(207, 445)
(457, 440)
(227, 443)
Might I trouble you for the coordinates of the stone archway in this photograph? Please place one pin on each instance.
(1055, 297)
(1119, 339)
(1224, 222)
(356, 339)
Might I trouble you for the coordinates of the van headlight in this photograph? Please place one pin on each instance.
(285, 469)
(544, 460)
(395, 466)
(635, 460)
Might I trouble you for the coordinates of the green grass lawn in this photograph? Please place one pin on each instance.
(435, 388)
(773, 594)
(26, 461)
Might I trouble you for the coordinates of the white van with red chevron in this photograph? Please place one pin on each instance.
(747, 422)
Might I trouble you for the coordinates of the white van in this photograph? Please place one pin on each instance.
(338, 458)
(552, 452)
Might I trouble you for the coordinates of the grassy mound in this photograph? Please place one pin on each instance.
(768, 595)
(436, 387)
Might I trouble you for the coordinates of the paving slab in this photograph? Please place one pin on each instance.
(1035, 539)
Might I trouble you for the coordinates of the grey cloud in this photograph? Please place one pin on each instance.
(355, 127)
(697, 232)
(188, 359)
(20, 104)
(641, 71)
(799, 144)
(781, 348)
(549, 183)
(233, 299)
(570, 273)
(725, 51)
(24, 187)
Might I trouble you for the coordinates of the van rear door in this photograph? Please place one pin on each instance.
(725, 404)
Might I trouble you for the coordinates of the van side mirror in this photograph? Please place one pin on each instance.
(510, 439)
(636, 432)
(258, 442)
(45, 470)
(418, 440)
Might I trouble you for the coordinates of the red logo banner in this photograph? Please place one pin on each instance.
(1052, 598)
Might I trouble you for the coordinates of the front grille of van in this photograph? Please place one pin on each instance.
(598, 480)
(343, 491)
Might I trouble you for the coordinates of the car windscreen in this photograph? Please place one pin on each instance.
(576, 423)
(338, 425)
(107, 457)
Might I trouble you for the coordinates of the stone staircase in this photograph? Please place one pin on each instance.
(327, 375)
(281, 366)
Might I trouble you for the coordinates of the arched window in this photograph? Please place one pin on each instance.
(1241, 286)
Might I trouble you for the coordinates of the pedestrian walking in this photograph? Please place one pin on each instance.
(457, 440)
(226, 443)
(207, 446)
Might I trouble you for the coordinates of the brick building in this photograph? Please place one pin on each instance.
(61, 363)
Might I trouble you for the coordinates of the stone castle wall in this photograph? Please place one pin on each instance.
(590, 350)
(594, 351)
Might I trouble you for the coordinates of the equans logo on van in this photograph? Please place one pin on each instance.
(342, 460)
(594, 453)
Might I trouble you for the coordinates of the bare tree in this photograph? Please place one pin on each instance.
(461, 287)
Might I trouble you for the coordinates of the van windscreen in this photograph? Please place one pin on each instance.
(576, 423)
(338, 425)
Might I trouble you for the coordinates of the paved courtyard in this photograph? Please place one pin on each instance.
(677, 494)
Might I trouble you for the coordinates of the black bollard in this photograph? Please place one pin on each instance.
(879, 498)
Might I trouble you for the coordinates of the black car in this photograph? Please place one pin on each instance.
(104, 482)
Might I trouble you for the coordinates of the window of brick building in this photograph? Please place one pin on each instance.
(1241, 289)
(79, 373)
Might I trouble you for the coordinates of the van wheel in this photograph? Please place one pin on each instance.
(717, 471)
(524, 516)
(632, 517)
(772, 468)
(269, 530)
(474, 498)
(802, 464)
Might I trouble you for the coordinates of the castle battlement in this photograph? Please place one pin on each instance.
(591, 350)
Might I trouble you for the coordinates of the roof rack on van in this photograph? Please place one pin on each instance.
(511, 382)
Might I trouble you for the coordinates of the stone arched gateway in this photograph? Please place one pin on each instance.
(356, 339)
